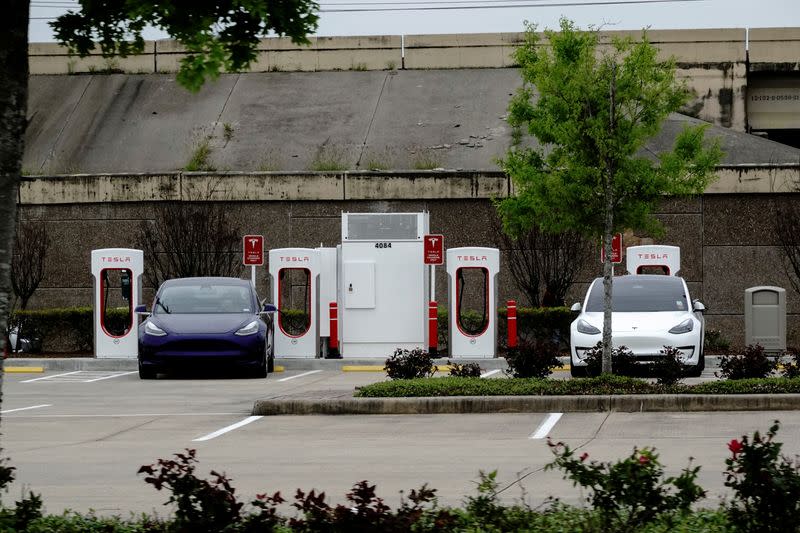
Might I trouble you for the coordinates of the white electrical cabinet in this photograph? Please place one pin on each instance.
(295, 292)
(383, 283)
(117, 277)
(472, 290)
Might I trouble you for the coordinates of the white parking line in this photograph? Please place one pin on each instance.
(226, 429)
(490, 373)
(25, 408)
(111, 376)
(545, 427)
(51, 377)
(301, 375)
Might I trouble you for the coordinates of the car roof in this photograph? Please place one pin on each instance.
(646, 278)
(209, 280)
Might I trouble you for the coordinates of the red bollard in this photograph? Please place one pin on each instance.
(433, 328)
(511, 316)
(333, 341)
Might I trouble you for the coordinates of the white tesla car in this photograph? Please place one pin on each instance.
(649, 312)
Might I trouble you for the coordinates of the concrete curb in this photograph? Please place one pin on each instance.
(531, 404)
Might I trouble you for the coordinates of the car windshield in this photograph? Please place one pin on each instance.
(640, 294)
(204, 298)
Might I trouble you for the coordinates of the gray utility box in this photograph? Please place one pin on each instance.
(765, 317)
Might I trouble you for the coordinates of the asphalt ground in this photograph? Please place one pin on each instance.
(78, 438)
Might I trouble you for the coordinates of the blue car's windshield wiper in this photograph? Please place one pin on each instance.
(164, 307)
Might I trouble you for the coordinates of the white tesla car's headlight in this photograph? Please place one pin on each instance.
(586, 328)
(684, 327)
(249, 329)
(152, 329)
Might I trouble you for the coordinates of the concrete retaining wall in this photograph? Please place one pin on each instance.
(714, 63)
(726, 237)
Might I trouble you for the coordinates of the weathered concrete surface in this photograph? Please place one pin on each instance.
(333, 121)
(530, 404)
(714, 62)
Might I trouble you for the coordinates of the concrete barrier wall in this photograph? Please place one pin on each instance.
(714, 63)
(341, 186)
(727, 238)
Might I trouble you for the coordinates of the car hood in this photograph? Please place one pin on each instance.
(202, 323)
(640, 322)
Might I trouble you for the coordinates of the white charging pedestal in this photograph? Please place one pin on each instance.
(472, 286)
(295, 292)
(328, 285)
(653, 259)
(117, 279)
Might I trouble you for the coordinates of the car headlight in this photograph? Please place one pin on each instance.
(684, 327)
(586, 328)
(152, 329)
(249, 329)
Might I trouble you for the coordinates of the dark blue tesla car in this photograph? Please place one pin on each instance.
(206, 322)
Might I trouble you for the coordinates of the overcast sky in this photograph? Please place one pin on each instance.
(393, 17)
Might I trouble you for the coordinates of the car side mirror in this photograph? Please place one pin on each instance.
(698, 306)
(141, 310)
(269, 308)
(576, 307)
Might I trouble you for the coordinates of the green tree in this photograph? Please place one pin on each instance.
(217, 34)
(592, 108)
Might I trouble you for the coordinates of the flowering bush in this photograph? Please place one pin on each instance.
(791, 369)
(766, 485)
(467, 370)
(631, 492)
(753, 363)
(668, 367)
(533, 359)
(622, 360)
(410, 364)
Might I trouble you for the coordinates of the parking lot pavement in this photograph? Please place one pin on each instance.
(80, 438)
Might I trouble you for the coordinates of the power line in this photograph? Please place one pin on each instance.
(462, 5)
(506, 6)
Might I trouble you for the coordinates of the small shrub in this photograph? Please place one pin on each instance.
(668, 367)
(791, 368)
(533, 359)
(467, 370)
(753, 363)
(200, 159)
(227, 131)
(622, 360)
(426, 159)
(715, 343)
(200, 505)
(765, 483)
(630, 493)
(330, 158)
(410, 364)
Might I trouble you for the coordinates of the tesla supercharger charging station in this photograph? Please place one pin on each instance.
(328, 285)
(383, 285)
(472, 280)
(653, 259)
(117, 278)
(295, 291)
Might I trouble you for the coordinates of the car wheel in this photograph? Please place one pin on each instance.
(696, 371)
(578, 371)
(146, 373)
(261, 370)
